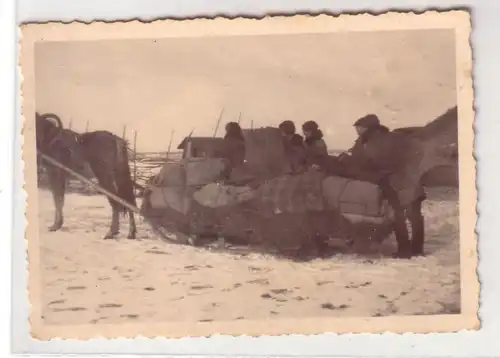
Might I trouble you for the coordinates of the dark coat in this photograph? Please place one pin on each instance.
(393, 158)
(316, 152)
(233, 152)
(295, 152)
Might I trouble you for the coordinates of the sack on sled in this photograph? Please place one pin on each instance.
(354, 198)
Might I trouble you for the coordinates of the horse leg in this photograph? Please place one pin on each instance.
(106, 181)
(132, 230)
(114, 229)
(57, 181)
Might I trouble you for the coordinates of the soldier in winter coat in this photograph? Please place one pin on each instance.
(316, 150)
(234, 147)
(294, 146)
(394, 158)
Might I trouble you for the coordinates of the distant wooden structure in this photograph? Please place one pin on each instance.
(201, 147)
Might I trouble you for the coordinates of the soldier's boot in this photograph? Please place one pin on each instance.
(321, 243)
(402, 238)
(417, 229)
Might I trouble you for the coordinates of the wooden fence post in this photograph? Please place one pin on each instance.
(169, 144)
(218, 122)
(135, 156)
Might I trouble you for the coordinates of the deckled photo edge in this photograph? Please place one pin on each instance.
(31, 258)
(470, 284)
(271, 24)
(459, 18)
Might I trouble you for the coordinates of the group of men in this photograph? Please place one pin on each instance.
(378, 155)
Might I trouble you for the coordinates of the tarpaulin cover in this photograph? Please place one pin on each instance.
(291, 194)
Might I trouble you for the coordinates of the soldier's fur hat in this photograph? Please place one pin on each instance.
(368, 121)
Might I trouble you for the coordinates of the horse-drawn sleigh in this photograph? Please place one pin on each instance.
(261, 205)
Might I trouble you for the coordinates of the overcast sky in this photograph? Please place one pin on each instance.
(154, 86)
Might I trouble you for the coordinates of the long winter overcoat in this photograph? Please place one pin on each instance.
(394, 158)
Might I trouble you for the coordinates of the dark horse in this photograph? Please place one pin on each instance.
(107, 156)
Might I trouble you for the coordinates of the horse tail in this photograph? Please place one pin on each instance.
(125, 185)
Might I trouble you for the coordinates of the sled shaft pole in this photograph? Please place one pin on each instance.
(89, 182)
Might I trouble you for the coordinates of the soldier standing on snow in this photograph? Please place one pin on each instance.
(386, 153)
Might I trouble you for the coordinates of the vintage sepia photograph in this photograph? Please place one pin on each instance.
(284, 175)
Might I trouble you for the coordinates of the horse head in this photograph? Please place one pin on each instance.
(439, 140)
(48, 128)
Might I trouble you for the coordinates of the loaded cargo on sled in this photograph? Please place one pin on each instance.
(261, 204)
